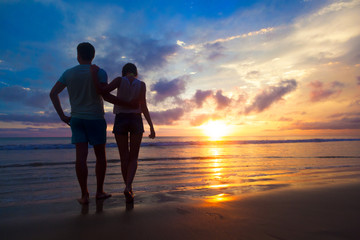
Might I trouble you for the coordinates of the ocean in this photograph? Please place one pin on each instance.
(34, 171)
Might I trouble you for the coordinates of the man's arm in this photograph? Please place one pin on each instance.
(104, 89)
(54, 96)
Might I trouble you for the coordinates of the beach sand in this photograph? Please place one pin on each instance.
(325, 212)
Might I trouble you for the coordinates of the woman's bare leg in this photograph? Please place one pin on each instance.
(123, 146)
(135, 141)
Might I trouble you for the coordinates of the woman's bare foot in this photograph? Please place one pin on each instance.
(84, 199)
(129, 195)
(103, 195)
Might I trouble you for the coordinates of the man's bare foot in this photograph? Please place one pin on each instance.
(84, 200)
(102, 195)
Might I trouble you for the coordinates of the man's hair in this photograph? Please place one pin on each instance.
(86, 51)
(129, 68)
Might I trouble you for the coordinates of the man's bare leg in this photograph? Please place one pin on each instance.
(82, 171)
(100, 171)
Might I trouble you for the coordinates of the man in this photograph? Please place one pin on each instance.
(87, 120)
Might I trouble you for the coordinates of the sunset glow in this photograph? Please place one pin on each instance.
(274, 68)
(215, 130)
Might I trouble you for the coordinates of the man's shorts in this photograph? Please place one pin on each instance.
(92, 131)
(128, 123)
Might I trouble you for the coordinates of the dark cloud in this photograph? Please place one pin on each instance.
(214, 50)
(285, 119)
(241, 99)
(271, 95)
(35, 132)
(147, 53)
(221, 100)
(349, 114)
(358, 80)
(203, 118)
(151, 54)
(352, 56)
(200, 96)
(47, 118)
(320, 91)
(339, 124)
(252, 74)
(29, 97)
(32, 119)
(337, 84)
(165, 88)
(167, 117)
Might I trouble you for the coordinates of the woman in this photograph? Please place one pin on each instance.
(128, 120)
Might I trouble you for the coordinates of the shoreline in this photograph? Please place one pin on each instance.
(317, 212)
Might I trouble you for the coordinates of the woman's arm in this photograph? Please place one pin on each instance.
(145, 110)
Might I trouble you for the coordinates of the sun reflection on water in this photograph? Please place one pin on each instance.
(216, 177)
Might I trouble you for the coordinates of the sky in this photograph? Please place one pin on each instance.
(262, 68)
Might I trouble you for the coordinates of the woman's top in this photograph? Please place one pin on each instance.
(128, 91)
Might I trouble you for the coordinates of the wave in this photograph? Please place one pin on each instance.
(175, 143)
(168, 159)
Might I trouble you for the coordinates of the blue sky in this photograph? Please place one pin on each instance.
(262, 67)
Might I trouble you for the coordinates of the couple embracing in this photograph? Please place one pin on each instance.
(87, 86)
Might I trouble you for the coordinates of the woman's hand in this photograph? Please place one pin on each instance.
(94, 69)
(152, 133)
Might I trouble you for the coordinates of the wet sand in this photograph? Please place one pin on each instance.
(325, 212)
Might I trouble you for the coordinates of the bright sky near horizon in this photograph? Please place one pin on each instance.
(269, 67)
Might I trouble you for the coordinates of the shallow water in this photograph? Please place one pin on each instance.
(39, 170)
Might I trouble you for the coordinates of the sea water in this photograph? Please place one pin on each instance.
(38, 170)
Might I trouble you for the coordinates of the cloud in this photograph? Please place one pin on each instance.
(222, 40)
(165, 89)
(221, 100)
(339, 124)
(200, 119)
(200, 96)
(167, 117)
(358, 80)
(271, 95)
(320, 91)
(29, 97)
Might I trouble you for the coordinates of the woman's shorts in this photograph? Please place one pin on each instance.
(128, 123)
(92, 131)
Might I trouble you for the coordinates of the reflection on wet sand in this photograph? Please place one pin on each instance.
(222, 197)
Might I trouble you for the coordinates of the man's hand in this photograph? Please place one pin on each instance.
(66, 119)
(134, 104)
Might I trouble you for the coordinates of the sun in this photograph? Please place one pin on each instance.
(215, 129)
